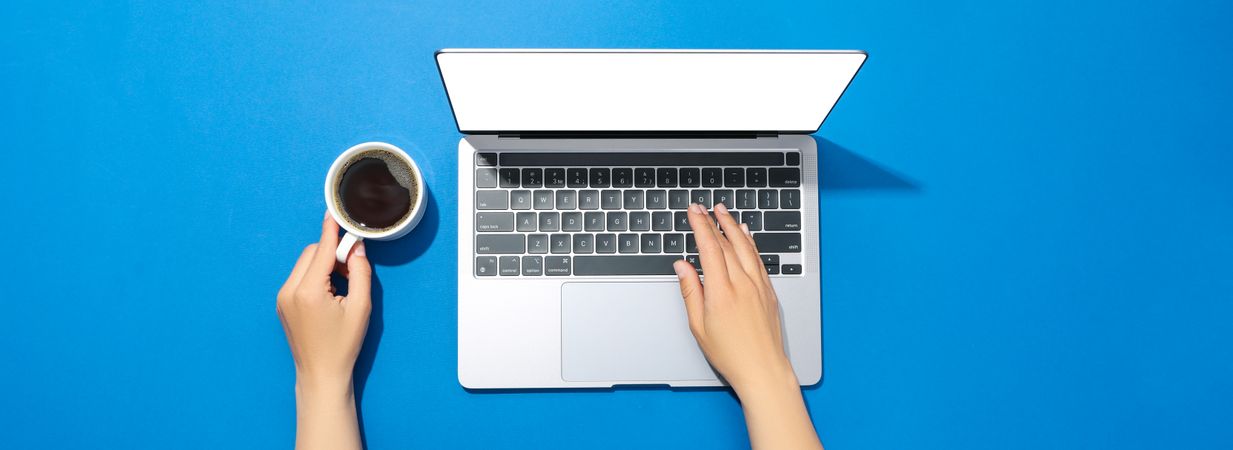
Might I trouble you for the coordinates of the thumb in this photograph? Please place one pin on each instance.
(359, 275)
(691, 291)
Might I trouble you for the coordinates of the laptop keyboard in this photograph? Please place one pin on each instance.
(623, 214)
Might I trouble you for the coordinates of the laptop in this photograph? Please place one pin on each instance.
(574, 177)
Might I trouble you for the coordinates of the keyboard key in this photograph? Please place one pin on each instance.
(661, 221)
(520, 200)
(770, 260)
(509, 266)
(622, 178)
(639, 221)
(791, 269)
(701, 196)
(753, 219)
(486, 159)
(627, 243)
(681, 219)
(624, 265)
(600, 178)
(576, 178)
(674, 243)
(559, 243)
(532, 177)
(527, 221)
(755, 177)
(610, 199)
(509, 178)
(746, 199)
(794, 158)
(778, 242)
(588, 199)
(644, 177)
(790, 199)
(491, 199)
(486, 178)
(724, 196)
(768, 199)
(485, 266)
(537, 244)
(618, 221)
(499, 244)
(567, 199)
(772, 270)
(549, 221)
(712, 177)
(691, 177)
(532, 266)
(543, 199)
(693, 260)
(665, 178)
(656, 199)
(635, 199)
(691, 244)
(605, 243)
(651, 243)
(594, 221)
(554, 178)
(556, 265)
(494, 221)
(784, 177)
(678, 199)
(782, 221)
(734, 177)
(584, 243)
(571, 221)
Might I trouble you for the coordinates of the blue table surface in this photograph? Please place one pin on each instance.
(1027, 222)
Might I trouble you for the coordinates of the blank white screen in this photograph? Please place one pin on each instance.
(499, 90)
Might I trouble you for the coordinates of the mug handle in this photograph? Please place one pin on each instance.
(344, 246)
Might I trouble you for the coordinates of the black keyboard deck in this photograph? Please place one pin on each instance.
(622, 214)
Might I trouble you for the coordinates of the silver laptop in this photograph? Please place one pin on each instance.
(573, 182)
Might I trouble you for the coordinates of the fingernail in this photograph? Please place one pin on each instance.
(745, 226)
(721, 208)
(696, 208)
(359, 249)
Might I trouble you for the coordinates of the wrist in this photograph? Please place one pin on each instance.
(324, 391)
(774, 381)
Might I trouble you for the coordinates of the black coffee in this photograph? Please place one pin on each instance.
(375, 190)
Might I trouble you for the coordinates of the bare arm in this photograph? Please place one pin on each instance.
(735, 319)
(325, 332)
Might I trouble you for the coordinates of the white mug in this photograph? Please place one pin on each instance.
(355, 234)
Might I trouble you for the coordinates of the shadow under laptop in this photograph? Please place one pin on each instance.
(841, 169)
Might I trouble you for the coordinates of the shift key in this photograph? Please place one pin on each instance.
(500, 244)
(778, 242)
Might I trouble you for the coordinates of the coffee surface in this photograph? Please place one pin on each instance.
(371, 195)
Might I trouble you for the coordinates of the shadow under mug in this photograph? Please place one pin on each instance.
(354, 233)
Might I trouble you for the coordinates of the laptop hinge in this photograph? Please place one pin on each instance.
(637, 134)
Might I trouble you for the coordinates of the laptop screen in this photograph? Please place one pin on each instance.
(644, 90)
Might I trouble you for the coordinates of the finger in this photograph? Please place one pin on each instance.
(746, 254)
(691, 292)
(709, 249)
(323, 262)
(297, 272)
(359, 275)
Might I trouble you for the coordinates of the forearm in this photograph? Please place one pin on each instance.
(325, 416)
(775, 414)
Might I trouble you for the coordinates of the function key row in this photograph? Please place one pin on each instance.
(642, 177)
(497, 222)
(568, 199)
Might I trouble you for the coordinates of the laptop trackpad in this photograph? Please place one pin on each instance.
(628, 333)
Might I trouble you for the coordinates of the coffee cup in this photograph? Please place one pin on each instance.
(374, 191)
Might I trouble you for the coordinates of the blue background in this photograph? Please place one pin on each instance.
(1027, 214)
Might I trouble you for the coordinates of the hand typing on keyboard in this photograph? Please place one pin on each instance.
(735, 318)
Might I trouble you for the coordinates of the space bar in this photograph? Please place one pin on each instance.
(624, 265)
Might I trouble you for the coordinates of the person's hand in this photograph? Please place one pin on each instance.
(325, 332)
(735, 317)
